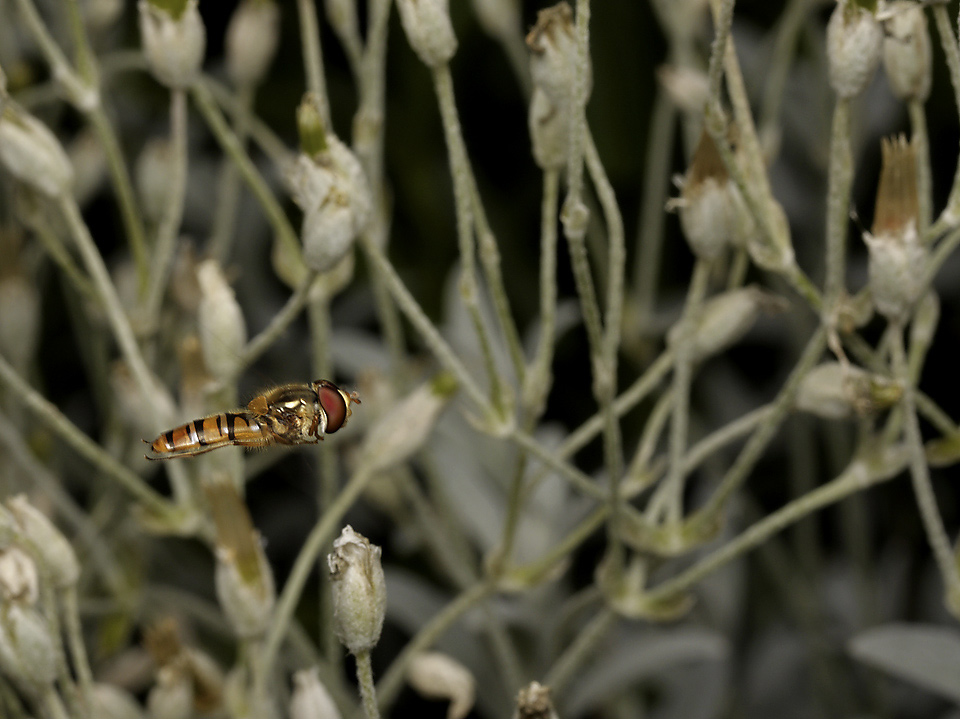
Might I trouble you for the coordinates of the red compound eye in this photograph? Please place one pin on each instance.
(333, 404)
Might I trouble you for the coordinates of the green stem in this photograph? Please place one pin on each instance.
(368, 692)
(581, 650)
(839, 182)
(312, 56)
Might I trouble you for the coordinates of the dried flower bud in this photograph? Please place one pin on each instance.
(834, 391)
(152, 174)
(28, 655)
(725, 319)
(854, 45)
(401, 432)
(54, 550)
(428, 29)
(251, 40)
(438, 676)
(110, 702)
(534, 702)
(33, 154)
(907, 56)
(243, 576)
(223, 332)
(172, 696)
(310, 699)
(709, 203)
(897, 257)
(359, 591)
(553, 54)
(18, 577)
(174, 41)
(19, 320)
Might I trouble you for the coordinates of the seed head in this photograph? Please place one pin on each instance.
(359, 590)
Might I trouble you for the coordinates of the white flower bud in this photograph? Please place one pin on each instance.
(332, 191)
(854, 46)
(89, 162)
(33, 154)
(342, 15)
(834, 391)
(359, 591)
(549, 131)
(438, 676)
(222, 330)
(428, 29)
(553, 53)
(18, 577)
(19, 320)
(110, 702)
(683, 18)
(251, 40)
(534, 702)
(54, 550)
(725, 319)
(907, 56)
(27, 652)
(152, 174)
(172, 696)
(688, 87)
(402, 431)
(310, 699)
(101, 14)
(498, 18)
(173, 43)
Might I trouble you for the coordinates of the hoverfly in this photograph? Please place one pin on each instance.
(290, 414)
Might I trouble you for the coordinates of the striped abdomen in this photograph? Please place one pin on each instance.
(203, 435)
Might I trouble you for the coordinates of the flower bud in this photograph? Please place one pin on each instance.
(680, 18)
(534, 702)
(89, 162)
(549, 131)
(54, 550)
(834, 391)
(174, 41)
(854, 46)
(27, 651)
(687, 87)
(438, 676)
(223, 333)
(359, 591)
(403, 430)
(897, 256)
(33, 154)
(101, 14)
(243, 577)
(251, 41)
(110, 702)
(907, 56)
(428, 29)
(152, 174)
(18, 577)
(709, 203)
(310, 699)
(328, 184)
(19, 320)
(553, 53)
(172, 696)
(342, 15)
(725, 319)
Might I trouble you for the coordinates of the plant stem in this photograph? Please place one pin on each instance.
(312, 56)
(368, 692)
(840, 181)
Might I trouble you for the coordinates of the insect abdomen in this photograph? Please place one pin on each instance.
(203, 435)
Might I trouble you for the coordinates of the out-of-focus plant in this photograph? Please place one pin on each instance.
(608, 468)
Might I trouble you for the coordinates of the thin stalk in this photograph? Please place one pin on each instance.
(840, 182)
(257, 130)
(951, 51)
(169, 230)
(921, 142)
(60, 256)
(581, 650)
(368, 692)
(78, 651)
(228, 185)
(81, 443)
(789, 25)
(312, 55)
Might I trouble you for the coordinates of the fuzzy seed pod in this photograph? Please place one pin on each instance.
(835, 391)
(428, 29)
(251, 40)
(28, 654)
(223, 332)
(55, 552)
(174, 41)
(359, 591)
(33, 154)
(553, 54)
(907, 56)
(854, 47)
(438, 676)
(310, 699)
(897, 257)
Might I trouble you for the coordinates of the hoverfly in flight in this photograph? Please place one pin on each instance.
(290, 414)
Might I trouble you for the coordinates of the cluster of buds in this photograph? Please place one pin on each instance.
(222, 330)
(854, 46)
(243, 577)
(907, 56)
(328, 183)
(359, 591)
(251, 41)
(33, 154)
(843, 391)
(428, 29)
(174, 40)
(553, 67)
(897, 256)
